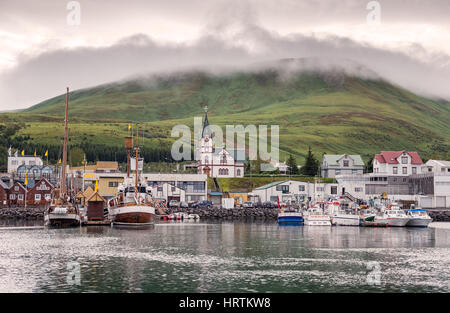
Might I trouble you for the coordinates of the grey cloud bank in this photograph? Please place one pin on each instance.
(232, 39)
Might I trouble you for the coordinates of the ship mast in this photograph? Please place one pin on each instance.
(137, 165)
(64, 163)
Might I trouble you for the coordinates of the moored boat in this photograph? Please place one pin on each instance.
(61, 212)
(132, 206)
(418, 218)
(291, 218)
(314, 216)
(344, 217)
(392, 216)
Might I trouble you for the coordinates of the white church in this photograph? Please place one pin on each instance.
(218, 162)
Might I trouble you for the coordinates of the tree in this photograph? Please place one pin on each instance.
(76, 156)
(292, 165)
(311, 166)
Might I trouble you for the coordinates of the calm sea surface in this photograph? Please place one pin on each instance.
(223, 257)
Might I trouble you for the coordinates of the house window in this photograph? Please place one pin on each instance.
(48, 197)
(345, 163)
(113, 184)
(20, 197)
(338, 172)
(414, 170)
(238, 172)
(16, 188)
(358, 189)
(12, 196)
(160, 189)
(354, 171)
(173, 188)
(404, 160)
(37, 197)
(395, 170)
(319, 188)
(14, 162)
(283, 188)
(301, 188)
(224, 159)
(405, 170)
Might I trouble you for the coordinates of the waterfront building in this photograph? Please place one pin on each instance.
(397, 163)
(218, 162)
(168, 192)
(194, 185)
(341, 164)
(436, 166)
(17, 194)
(40, 193)
(297, 191)
(3, 194)
(14, 161)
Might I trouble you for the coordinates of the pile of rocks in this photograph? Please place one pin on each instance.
(439, 215)
(30, 213)
(236, 213)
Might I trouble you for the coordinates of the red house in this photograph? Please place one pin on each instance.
(17, 194)
(41, 193)
(3, 194)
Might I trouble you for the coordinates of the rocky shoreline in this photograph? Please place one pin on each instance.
(229, 214)
(36, 213)
(30, 213)
(439, 215)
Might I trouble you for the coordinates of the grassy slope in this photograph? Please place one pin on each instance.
(332, 114)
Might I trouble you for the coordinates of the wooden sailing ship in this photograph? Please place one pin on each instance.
(133, 205)
(61, 212)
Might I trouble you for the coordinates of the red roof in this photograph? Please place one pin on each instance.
(390, 157)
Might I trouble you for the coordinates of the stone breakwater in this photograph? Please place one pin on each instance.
(30, 213)
(218, 213)
(439, 215)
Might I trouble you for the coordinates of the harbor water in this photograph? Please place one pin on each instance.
(223, 257)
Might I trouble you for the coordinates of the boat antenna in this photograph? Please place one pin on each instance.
(64, 162)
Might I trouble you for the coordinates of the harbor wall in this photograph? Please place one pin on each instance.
(439, 215)
(230, 214)
(30, 213)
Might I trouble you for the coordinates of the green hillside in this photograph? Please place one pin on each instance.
(331, 112)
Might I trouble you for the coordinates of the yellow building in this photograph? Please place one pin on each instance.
(239, 197)
(107, 185)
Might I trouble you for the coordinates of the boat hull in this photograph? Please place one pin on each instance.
(62, 220)
(290, 219)
(317, 220)
(134, 215)
(419, 222)
(346, 220)
(393, 222)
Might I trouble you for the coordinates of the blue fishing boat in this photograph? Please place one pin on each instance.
(290, 218)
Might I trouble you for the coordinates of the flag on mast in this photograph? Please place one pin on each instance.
(46, 153)
(26, 179)
(96, 186)
(34, 152)
(23, 152)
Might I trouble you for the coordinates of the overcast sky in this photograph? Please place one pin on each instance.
(41, 53)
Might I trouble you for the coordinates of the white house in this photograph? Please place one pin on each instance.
(168, 192)
(14, 161)
(218, 162)
(401, 163)
(341, 164)
(292, 190)
(436, 166)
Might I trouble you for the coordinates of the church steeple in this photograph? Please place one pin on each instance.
(206, 129)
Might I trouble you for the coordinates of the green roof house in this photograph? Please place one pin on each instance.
(341, 164)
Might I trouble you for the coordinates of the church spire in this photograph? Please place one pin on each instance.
(206, 129)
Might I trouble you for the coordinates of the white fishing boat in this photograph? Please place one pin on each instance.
(392, 216)
(194, 217)
(418, 218)
(341, 216)
(315, 216)
(61, 212)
